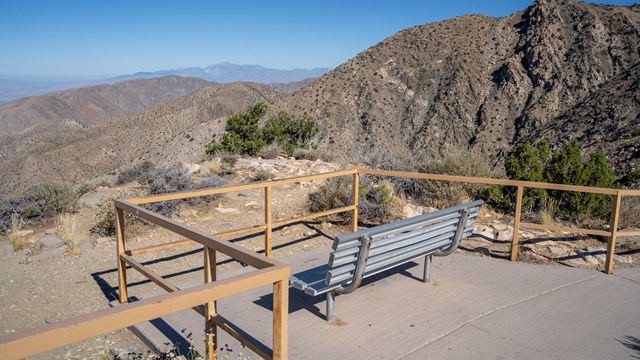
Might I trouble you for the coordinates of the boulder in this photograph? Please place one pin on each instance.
(51, 241)
(411, 210)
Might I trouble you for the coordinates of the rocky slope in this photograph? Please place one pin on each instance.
(171, 132)
(486, 83)
(93, 104)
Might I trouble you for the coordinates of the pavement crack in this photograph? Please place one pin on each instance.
(628, 279)
(491, 312)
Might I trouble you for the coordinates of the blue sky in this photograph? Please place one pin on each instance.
(88, 39)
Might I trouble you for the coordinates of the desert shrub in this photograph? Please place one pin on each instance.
(290, 132)
(536, 163)
(157, 180)
(306, 154)
(377, 202)
(134, 173)
(456, 161)
(384, 160)
(262, 175)
(42, 201)
(630, 212)
(243, 134)
(104, 218)
(48, 199)
(271, 151)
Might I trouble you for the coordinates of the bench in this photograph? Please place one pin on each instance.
(367, 252)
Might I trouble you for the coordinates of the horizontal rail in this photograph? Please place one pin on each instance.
(26, 343)
(235, 251)
(314, 216)
(235, 188)
(166, 246)
(491, 181)
(566, 229)
(628, 233)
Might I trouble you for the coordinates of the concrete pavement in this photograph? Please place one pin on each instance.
(474, 307)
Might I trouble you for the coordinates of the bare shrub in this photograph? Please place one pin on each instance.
(305, 154)
(104, 218)
(456, 161)
(262, 175)
(270, 151)
(630, 212)
(377, 201)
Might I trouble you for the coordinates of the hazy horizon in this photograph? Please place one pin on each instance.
(81, 41)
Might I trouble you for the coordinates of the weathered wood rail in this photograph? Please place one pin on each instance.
(268, 271)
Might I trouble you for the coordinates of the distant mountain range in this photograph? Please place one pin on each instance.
(224, 72)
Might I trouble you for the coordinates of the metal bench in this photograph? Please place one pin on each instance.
(367, 252)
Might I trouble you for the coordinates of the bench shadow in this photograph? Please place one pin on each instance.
(632, 343)
(299, 301)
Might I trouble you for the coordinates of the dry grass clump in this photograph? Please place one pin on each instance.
(548, 211)
(262, 175)
(18, 241)
(68, 231)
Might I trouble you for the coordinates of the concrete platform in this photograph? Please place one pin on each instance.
(474, 307)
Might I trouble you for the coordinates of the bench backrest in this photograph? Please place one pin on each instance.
(399, 242)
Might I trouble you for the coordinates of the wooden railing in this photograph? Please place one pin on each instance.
(268, 271)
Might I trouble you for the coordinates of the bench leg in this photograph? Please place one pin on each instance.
(427, 269)
(331, 303)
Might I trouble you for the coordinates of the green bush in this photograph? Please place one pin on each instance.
(243, 135)
(535, 163)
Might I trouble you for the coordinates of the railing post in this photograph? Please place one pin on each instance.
(120, 249)
(354, 201)
(281, 320)
(267, 220)
(516, 225)
(210, 308)
(611, 245)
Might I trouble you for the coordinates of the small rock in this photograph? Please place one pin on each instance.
(253, 205)
(591, 260)
(50, 241)
(411, 210)
(545, 243)
(575, 260)
(185, 213)
(244, 193)
(621, 259)
(86, 245)
(505, 235)
(226, 210)
(51, 231)
(49, 254)
(310, 233)
(191, 168)
(103, 240)
(292, 158)
(558, 250)
(500, 227)
(91, 201)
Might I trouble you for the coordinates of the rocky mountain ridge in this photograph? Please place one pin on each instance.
(94, 104)
(487, 83)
